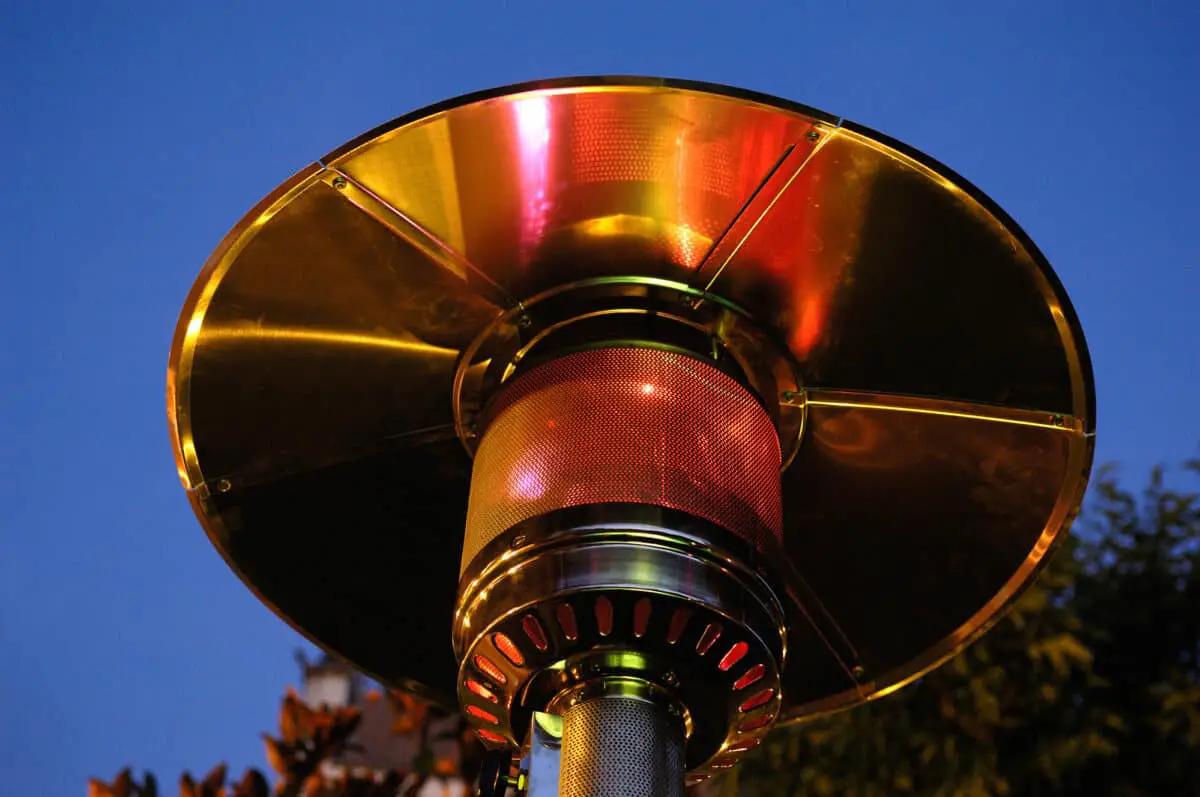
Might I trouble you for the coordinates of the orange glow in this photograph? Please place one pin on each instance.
(812, 323)
(254, 334)
(479, 690)
(716, 453)
(508, 649)
(489, 668)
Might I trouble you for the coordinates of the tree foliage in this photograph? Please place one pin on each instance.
(1089, 686)
(309, 737)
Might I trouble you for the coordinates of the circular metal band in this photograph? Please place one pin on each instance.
(533, 329)
(592, 602)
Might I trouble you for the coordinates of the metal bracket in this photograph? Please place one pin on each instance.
(539, 768)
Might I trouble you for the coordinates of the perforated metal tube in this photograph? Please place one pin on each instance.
(632, 425)
(621, 747)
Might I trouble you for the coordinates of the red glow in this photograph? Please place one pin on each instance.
(533, 630)
(641, 616)
(489, 668)
(479, 690)
(710, 450)
(486, 716)
(566, 621)
(490, 736)
(751, 676)
(508, 648)
(604, 616)
(757, 699)
(756, 723)
(742, 747)
(733, 656)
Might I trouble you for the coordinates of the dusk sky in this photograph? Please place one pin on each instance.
(137, 134)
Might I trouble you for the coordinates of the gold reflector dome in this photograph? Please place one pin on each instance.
(925, 374)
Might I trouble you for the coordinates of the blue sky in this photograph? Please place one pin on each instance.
(135, 135)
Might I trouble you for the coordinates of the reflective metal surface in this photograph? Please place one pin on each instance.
(621, 744)
(604, 591)
(541, 762)
(945, 387)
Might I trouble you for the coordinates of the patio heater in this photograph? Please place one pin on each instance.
(637, 417)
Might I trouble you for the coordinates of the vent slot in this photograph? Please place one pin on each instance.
(742, 747)
(604, 616)
(678, 625)
(479, 690)
(757, 699)
(641, 617)
(733, 656)
(755, 723)
(709, 638)
(750, 677)
(508, 649)
(490, 669)
(533, 629)
(566, 621)
(483, 714)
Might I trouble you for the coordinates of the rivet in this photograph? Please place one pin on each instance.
(339, 183)
(858, 671)
(812, 135)
(223, 486)
(518, 541)
(524, 321)
(790, 395)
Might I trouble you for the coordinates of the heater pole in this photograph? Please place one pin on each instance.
(621, 746)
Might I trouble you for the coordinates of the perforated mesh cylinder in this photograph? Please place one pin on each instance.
(621, 747)
(634, 425)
